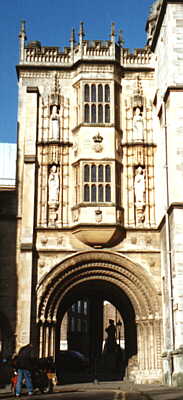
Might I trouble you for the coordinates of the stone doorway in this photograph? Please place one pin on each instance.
(96, 292)
(90, 341)
(99, 276)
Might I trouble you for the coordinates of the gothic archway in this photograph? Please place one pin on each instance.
(122, 281)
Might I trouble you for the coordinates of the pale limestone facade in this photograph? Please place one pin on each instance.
(99, 190)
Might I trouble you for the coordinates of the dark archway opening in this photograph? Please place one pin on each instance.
(7, 345)
(88, 338)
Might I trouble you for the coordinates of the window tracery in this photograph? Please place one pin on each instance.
(96, 183)
(96, 103)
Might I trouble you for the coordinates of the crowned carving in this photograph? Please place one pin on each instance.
(98, 214)
(98, 139)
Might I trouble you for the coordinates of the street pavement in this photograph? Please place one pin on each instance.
(116, 390)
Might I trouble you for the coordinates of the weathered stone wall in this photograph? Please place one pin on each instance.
(8, 277)
(168, 106)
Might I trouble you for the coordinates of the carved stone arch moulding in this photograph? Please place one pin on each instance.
(117, 275)
(106, 266)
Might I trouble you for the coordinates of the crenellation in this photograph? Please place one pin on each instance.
(34, 53)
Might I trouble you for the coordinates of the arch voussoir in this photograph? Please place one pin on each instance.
(102, 265)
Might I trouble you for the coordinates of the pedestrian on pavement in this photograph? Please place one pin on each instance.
(24, 365)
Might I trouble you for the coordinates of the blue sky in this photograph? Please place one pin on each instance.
(51, 22)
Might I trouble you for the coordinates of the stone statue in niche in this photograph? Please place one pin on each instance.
(138, 126)
(55, 123)
(53, 183)
(139, 186)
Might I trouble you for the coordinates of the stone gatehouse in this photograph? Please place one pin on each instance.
(99, 201)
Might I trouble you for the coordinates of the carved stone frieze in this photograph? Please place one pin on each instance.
(95, 68)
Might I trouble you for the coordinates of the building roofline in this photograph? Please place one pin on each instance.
(160, 20)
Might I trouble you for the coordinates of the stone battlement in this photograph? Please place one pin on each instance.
(98, 51)
(33, 53)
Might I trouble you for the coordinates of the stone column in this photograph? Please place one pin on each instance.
(167, 367)
(177, 377)
(52, 340)
(40, 333)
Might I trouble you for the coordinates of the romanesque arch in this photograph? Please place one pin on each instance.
(125, 277)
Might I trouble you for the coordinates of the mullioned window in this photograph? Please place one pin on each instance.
(97, 103)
